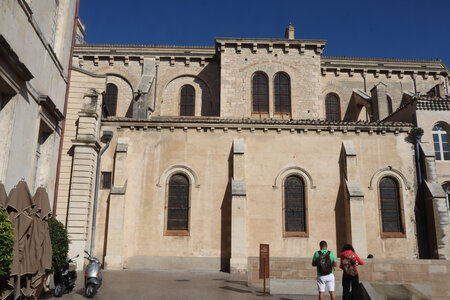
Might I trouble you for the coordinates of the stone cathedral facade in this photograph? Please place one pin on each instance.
(253, 141)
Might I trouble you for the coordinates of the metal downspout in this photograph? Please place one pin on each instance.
(94, 210)
(156, 85)
(69, 73)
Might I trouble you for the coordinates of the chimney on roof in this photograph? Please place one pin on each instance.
(289, 33)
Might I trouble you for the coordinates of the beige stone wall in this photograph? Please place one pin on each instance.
(203, 75)
(344, 84)
(152, 152)
(236, 78)
(80, 85)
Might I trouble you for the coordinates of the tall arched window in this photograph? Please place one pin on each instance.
(440, 141)
(178, 204)
(282, 91)
(294, 206)
(187, 101)
(332, 108)
(391, 217)
(260, 93)
(110, 100)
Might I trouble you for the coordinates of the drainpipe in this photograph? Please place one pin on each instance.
(69, 72)
(156, 82)
(420, 204)
(107, 136)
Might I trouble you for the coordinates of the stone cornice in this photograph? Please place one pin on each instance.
(225, 125)
(286, 44)
(383, 66)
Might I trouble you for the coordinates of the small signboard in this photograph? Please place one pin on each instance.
(263, 261)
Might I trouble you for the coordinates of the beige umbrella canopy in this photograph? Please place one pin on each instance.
(3, 196)
(19, 207)
(41, 246)
(32, 245)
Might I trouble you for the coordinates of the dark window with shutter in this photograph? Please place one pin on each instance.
(105, 181)
(332, 108)
(187, 101)
(260, 93)
(110, 100)
(294, 205)
(390, 205)
(282, 89)
(178, 203)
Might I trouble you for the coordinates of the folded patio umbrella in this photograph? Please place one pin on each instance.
(3, 196)
(41, 247)
(19, 207)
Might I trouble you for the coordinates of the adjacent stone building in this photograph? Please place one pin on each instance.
(35, 49)
(253, 141)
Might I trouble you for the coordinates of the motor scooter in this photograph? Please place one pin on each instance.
(92, 276)
(65, 277)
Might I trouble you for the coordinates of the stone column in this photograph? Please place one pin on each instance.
(238, 261)
(356, 221)
(438, 219)
(85, 150)
(114, 250)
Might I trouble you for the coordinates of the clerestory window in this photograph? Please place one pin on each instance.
(110, 100)
(260, 93)
(187, 101)
(332, 109)
(282, 93)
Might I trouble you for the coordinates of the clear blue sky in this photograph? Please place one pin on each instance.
(388, 29)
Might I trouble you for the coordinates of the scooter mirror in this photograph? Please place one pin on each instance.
(86, 252)
(77, 256)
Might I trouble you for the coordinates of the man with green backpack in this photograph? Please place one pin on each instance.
(325, 261)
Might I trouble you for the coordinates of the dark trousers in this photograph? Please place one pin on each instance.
(348, 280)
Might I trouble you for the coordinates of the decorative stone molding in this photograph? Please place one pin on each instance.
(289, 170)
(389, 170)
(193, 178)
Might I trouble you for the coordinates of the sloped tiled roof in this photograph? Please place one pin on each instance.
(249, 121)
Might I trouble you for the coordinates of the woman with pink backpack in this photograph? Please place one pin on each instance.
(349, 264)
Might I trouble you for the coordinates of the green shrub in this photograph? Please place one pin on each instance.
(60, 242)
(6, 242)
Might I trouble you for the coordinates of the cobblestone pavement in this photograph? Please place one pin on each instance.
(168, 285)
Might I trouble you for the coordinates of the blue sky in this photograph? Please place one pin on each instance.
(409, 29)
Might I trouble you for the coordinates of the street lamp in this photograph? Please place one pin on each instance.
(106, 138)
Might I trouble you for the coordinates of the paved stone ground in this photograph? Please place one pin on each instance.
(168, 285)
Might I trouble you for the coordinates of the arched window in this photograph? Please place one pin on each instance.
(178, 204)
(440, 141)
(282, 90)
(110, 100)
(332, 108)
(446, 187)
(260, 93)
(187, 101)
(391, 217)
(294, 206)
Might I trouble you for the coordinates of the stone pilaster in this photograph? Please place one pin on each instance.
(438, 219)
(356, 222)
(114, 251)
(380, 103)
(85, 150)
(238, 262)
